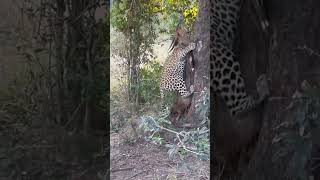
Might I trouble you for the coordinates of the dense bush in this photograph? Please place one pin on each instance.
(149, 89)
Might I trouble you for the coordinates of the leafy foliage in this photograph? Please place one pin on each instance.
(150, 74)
(185, 142)
(134, 20)
(185, 10)
(170, 12)
(202, 106)
(194, 141)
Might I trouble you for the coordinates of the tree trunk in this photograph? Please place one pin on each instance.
(282, 150)
(201, 58)
(59, 52)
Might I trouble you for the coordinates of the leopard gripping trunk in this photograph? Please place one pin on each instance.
(225, 75)
(172, 76)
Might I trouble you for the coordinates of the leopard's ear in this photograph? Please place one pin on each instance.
(179, 30)
(174, 43)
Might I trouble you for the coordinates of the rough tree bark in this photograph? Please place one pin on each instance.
(201, 58)
(289, 54)
(59, 53)
(294, 35)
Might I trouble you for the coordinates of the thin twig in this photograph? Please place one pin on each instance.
(186, 148)
(180, 141)
(221, 172)
(309, 50)
(83, 173)
(75, 112)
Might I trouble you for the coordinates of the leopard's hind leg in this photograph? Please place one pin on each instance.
(182, 89)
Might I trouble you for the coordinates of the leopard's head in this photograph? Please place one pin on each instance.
(181, 37)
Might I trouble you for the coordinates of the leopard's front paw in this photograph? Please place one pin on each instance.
(192, 46)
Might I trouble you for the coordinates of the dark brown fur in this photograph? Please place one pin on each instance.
(179, 109)
(232, 136)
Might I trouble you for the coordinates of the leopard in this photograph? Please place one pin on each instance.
(237, 132)
(225, 75)
(172, 77)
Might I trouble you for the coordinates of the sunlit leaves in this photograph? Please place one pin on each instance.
(163, 10)
(190, 15)
(119, 13)
(186, 8)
